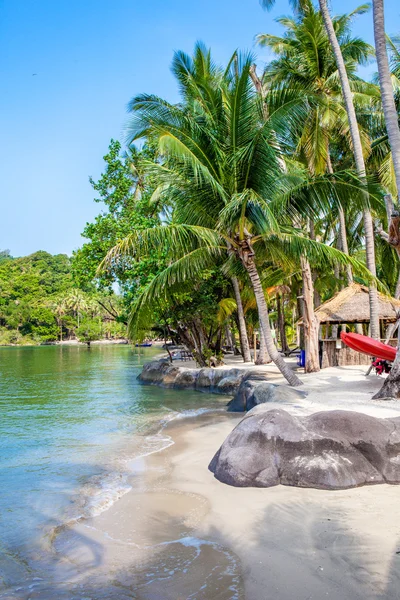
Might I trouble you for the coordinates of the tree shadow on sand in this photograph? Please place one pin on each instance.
(302, 551)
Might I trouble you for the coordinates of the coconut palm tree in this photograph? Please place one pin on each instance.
(198, 79)
(244, 340)
(77, 302)
(356, 144)
(59, 308)
(305, 60)
(223, 175)
(391, 386)
(385, 82)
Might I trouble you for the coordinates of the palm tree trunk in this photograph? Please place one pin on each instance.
(359, 160)
(229, 337)
(263, 357)
(385, 83)
(244, 340)
(344, 246)
(310, 322)
(286, 371)
(280, 306)
(391, 386)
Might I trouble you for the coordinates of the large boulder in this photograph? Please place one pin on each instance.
(252, 392)
(205, 378)
(328, 450)
(186, 378)
(159, 371)
(209, 378)
(230, 381)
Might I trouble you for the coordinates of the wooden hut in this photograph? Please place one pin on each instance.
(350, 306)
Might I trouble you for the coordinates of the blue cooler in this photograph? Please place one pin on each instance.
(301, 359)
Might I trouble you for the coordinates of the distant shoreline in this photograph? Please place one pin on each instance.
(68, 343)
(114, 342)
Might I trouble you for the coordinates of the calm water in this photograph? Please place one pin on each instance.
(71, 420)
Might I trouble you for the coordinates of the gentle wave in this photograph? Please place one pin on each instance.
(101, 491)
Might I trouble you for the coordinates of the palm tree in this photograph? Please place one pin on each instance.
(391, 386)
(77, 302)
(359, 161)
(305, 60)
(59, 308)
(198, 78)
(222, 174)
(385, 82)
(356, 146)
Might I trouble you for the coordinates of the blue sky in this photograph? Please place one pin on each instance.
(89, 58)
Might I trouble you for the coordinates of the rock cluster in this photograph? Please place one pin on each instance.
(218, 381)
(327, 450)
(250, 387)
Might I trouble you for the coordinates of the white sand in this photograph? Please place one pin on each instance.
(182, 534)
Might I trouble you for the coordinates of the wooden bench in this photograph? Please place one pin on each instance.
(186, 355)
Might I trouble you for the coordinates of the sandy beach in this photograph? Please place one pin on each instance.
(180, 533)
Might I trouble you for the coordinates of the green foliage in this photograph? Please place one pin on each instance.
(126, 193)
(39, 302)
(25, 285)
(89, 331)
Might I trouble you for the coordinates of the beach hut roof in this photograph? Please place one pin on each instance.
(351, 305)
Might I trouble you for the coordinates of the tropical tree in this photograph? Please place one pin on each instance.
(391, 386)
(356, 146)
(386, 86)
(305, 61)
(77, 302)
(223, 175)
(59, 309)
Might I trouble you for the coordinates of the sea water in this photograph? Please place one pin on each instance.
(71, 420)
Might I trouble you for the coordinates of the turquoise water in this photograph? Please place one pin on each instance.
(71, 419)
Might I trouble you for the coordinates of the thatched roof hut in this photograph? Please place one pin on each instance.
(351, 305)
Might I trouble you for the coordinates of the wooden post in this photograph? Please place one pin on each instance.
(255, 345)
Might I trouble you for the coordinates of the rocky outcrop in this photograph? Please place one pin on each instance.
(327, 450)
(250, 387)
(159, 372)
(186, 378)
(218, 381)
(252, 392)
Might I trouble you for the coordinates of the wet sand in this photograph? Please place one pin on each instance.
(181, 534)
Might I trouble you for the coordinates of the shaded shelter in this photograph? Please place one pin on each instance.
(348, 307)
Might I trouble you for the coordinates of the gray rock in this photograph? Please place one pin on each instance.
(186, 378)
(170, 376)
(328, 450)
(243, 395)
(205, 378)
(162, 372)
(155, 371)
(256, 391)
(230, 382)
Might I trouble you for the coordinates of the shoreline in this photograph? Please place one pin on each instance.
(311, 543)
(180, 533)
(122, 341)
